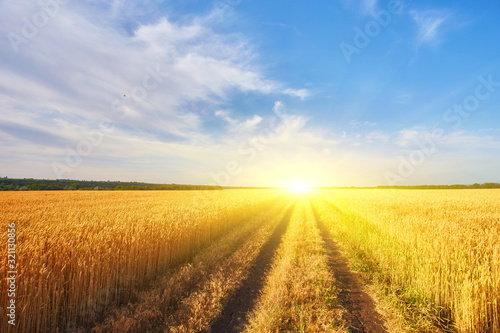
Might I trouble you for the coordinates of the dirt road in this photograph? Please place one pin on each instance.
(233, 317)
(361, 315)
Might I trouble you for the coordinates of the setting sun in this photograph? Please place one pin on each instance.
(299, 188)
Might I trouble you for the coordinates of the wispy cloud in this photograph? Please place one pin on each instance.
(377, 136)
(238, 125)
(402, 98)
(369, 7)
(429, 24)
(77, 69)
(224, 115)
(300, 93)
(208, 92)
(255, 120)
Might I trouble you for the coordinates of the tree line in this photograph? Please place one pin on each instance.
(444, 187)
(30, 184)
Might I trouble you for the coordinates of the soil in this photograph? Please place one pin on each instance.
(360, 315)
(234, 315)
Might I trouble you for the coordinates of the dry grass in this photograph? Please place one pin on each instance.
(299, 295)
(437, 252)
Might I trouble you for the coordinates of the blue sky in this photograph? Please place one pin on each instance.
(240, 92)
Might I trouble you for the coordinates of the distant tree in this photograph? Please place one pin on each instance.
(74, 186)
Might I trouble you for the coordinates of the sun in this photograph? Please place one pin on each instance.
(299, 188)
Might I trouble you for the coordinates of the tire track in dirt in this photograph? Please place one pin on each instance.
(234, 314)
(361, 315)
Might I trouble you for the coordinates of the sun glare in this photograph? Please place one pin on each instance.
(299, 188)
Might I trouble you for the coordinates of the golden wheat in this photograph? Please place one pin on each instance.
(188, 297)
(300, 294)
(438, 250)
(80, 252)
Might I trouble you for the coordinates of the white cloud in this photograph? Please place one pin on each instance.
(402, 98)
(409, 137)
(237, 125)
(369, 6)
(463, 140)
(429, 23)
(68, 77)
(300, 93)
(279, 107)
(377, 136)
(225, 116)
(362, 124)
(156, 83)
(255, 120)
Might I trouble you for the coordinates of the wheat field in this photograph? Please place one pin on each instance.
(437, 249)
(173, 261)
